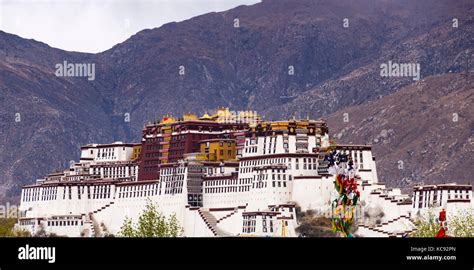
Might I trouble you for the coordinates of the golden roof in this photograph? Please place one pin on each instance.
(205, 116)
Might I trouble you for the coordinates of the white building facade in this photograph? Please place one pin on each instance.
(279, 169)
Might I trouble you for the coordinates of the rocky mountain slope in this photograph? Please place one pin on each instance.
(424, 133)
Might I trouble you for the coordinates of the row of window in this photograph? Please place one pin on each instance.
(265, 161)
(173, 179)
(152, 168)
(252, 149)
(427, 197)
(262, 184)
(139, 191)
(154, 146)
(249, 224)
(114, 172)
(27, 222)
(304, 163)
(94, 192)
(213, 170)
(135, 194)
(108, 153)
(172, 171)
(226, 189)
(277, 184)
(272, 147)
(65, 223)
(307, 164)
(266, 228)
(100, 192)
(176, 152)
(170, 178)
(301, 143)
(150, 141)
(241, 181)
(174, 187)
(177, 144)
(50, 193)
(153, 155)
(278, 176)
(43, 194)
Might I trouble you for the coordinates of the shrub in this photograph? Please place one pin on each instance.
(151, 224)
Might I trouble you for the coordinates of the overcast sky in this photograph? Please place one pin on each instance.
(95, 26)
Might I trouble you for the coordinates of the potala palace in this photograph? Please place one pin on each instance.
(226, 174)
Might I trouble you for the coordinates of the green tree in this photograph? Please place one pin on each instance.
(7, 228)
(174, 228)
(459, 225)
(151, 224)
(127, 229)
(425, 225)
